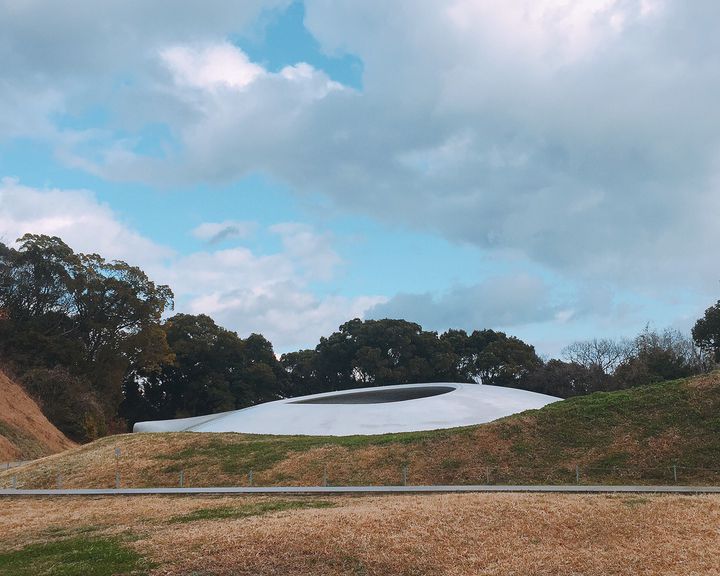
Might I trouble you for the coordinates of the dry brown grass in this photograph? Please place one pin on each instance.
(448, 535)
(24, 431)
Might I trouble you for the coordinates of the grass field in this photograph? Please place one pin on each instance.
(453, 535)
(631, 436)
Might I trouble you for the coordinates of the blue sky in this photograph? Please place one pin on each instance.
(544, 168)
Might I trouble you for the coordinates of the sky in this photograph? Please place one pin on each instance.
(548, 168)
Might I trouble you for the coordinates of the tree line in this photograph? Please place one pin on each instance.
(92, 341)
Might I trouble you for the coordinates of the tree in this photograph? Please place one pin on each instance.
(36, 300)
(96, 319)
(658, 356)
(379, 352)
(35, 279)
(213, 370)
(382, 352)
(302, 376)
(706, 332)
(604, 354)
(566, 379)
(491, 357)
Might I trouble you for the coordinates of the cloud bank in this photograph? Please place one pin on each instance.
(581, 137)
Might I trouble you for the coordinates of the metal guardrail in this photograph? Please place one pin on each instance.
(300, 490)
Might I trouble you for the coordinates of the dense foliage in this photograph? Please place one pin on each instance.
(381, 352)
(706, 331)
(73, 325)
(213, 370)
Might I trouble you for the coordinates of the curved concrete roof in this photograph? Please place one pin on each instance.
(379, 410)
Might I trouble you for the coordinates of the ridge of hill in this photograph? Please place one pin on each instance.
(628, 436)
(25, 433)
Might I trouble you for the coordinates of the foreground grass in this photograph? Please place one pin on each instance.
(430, 535)
(643, 435)
(73, 557)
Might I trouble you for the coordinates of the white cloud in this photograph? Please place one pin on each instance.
(558, 31)
(211, 66)
(311, 251)
(58, 58)
(242, 290)
(75, 216)
(292, 318)
(312, 82)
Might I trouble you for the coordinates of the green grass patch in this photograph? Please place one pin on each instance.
(258, 509)
(73, 557)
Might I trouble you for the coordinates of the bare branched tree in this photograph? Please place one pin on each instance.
(604, 354)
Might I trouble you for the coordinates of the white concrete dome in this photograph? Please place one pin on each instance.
(379, 410)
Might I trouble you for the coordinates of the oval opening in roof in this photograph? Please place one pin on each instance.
(379, 396)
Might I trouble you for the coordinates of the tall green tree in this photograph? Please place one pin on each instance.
(706, 331)
(302, 372)
(491, 357)
(382, 352)
(97, 319)
(213, 370)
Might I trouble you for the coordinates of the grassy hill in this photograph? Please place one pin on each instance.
(627, 436)
(25, 433)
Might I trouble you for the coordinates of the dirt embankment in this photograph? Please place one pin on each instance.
(25, 433)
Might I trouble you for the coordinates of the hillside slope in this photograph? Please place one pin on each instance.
(627, 436)
(24, 432)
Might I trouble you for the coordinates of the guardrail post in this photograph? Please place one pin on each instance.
(13, 482)
(487, 475)
(182, 478)
(59, 481)
(675, 472)
(405, 475)
(577, 474)
(250, 478)
(117, 467)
